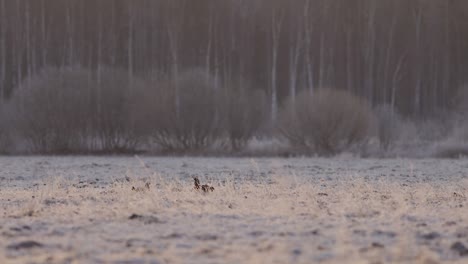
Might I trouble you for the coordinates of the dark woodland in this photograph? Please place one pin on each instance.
(409, 55)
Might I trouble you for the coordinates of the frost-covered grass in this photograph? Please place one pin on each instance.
(278, 211)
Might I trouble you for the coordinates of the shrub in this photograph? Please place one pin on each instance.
(70, 110)
(461, 101)
(245, 112)
(452, 150)
(6, 129)
(461, 109)
(192, 113)
(115, 99)
(185, 114)
(327, 121)
(434, 129)
(388, 125)
(53, 110)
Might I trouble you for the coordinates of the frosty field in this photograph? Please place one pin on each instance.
(146, 210)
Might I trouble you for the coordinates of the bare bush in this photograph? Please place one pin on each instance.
(115, 124)
(245, 112)
(184, 114)
(388, 125)
(327, 121)
(7, 130)
(72, 110)
(461, 101)
(461, 109)
(451, 149)
(434, 129)
(460, 132)
(192, 113)
(53, 110)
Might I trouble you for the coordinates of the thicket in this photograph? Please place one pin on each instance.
(246, 111)
(194, 113)
(75, 110)
(327, 121)
(388, 125)
(184, 114)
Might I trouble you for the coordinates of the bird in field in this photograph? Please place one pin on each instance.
(205, 187)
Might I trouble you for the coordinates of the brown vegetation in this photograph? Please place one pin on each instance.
(74, 110)
(327, 121)
(245, 112)
(388, 125)
(184, 114)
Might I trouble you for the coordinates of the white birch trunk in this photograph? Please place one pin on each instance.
(276, 24)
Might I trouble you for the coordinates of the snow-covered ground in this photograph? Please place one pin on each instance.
(145, 210)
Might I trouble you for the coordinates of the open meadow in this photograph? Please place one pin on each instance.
(301, 210)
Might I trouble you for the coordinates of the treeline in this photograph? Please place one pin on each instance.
(209, 76)
(412, 55)
(75, 110)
